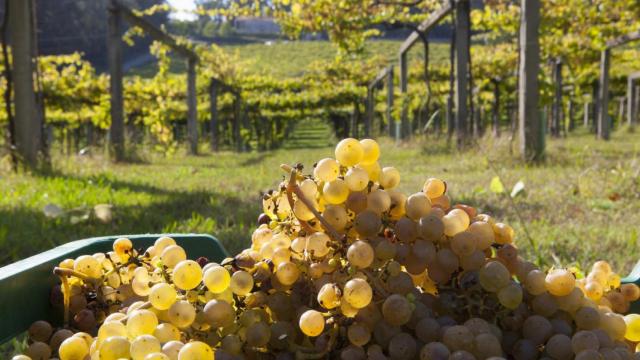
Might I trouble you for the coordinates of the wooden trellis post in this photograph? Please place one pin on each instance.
(531, 127)
(237, 113)
(192, 105)
(404, 121)
(463, 28)
(557, 99)
(390, 89)
(496, 108)
(632, 99)
(585, 113)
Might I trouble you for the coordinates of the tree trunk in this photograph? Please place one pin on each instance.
(368, 119)
(531, 129)
(213, 103)
(585, 114)
(28, 129)
(603, 96)
(192, 106)
(557, 102)
(630, 102)
(463, 25)
(114, 48)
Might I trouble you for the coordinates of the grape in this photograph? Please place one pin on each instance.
(371, 151)
(123, 247)
(219, 313)
(443, 202)
(487, 345)
(181, 314)
(455, 221)
(318, 244)
(162, 243)
(111, 328)
(172, 349)
(559, 347)
(144, 345)
(349, 152)
(336, 216)
(504, 233)
(360, 254)
(357, 293)
(402, 346)
(187, 275)
(389, 177)
(372, 169)
(378, 201)
(241, 283)
(474, 261)
(309, 188)
(458, 337)
(39, 350)
(327, 170)
(88, 266)
(302, 212)
(463, 243)
(356, 179)
(40, 331)
(172, 255)
(434, 351)
(536, 329)
(448, 260)
(156, 356)
(195, 350)
(258, 334)
(431, 228)
(73, 348)
(166, 332)
(535, 282)
(329, 296)
(396, 310)
(335, 192)
(311, 323)
(631, 292)
(115, 347)
(510, 296)
(494, 276)
(287, 273)
(560, 282)
(216, 279)
(141, 322)
(417, 206)
(406, 230)
(367, 224)
(524, 349)
(633, 327)
(584, 340)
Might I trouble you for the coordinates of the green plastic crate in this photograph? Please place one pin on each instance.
(25, 285)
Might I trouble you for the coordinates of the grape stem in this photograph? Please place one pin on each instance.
(293, 188)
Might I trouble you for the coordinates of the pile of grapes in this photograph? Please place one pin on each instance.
(342, 266)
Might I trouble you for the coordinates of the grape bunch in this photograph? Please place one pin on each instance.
(342, 266)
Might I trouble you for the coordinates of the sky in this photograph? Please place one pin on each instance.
(182, 9)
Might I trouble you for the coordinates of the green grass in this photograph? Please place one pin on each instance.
(582, 204)
(292, 58)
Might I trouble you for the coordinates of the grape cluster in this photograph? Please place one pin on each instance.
(342, 266)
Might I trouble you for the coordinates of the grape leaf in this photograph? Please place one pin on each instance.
(496, 185)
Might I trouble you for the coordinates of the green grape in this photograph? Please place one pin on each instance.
(510, 296)
(40, 330)
(504, 233)
(349, 152)
(367, 223)
(396, 310)
(560, 282)
(172, 348)
(434, 351)
(494, 276)
(187, 275)
(216, 279)
(464, 243)
(73, 348)
(484, 234)
(357, 179)
(335, 192)
(241, 283)
(385, 250)
(378, 201)
(455, 221)
(280, 240)
(309, 188)
(258, 334)
(559, 347)
(371, 151)
(458, 337)
(398, 204)
(544, 304)
(302, 212)
(88, 266)
(261, 236)
(402, 346)
(39, 350)
(181, 314)
(299, 244)
(141, 322)
(172, 255)
(219, 313)
(389, 177)
(329, 296)
(287, 273)
(162, 243)
(584, 340)
(372, 169)
(588, 318)
(281, 255)
(196, 350)
(327, 170)
(535, 282)
(112, 328)
(632, 332)
(431, 228)
(144, 345)
(406, 230)
(427, 330)
(537, 329)
(114, 348)
(474, 261)
(232, 344)
(156, 356)
(166, 332)
(347, 309)
(360, 254)
(311, 323)
(417, 206)
(318, 244)
(357, 293)
(140, 288)
(434, 188)
(447, 260)
(336, 216)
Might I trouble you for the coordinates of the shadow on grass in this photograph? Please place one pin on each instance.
(25, 232)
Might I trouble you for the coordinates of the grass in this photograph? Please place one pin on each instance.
(292, 58)
(583, 204)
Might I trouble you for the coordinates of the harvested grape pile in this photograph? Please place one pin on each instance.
(342, 266)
